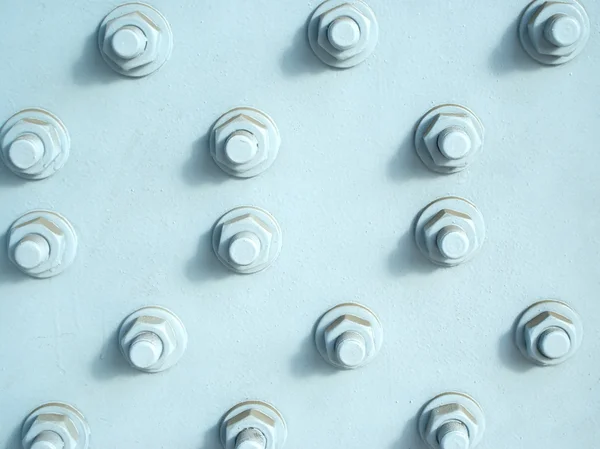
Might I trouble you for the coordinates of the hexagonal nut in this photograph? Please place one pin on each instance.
(45, 131)
(52, 233)
(537, 23)
(445, 413)
(345, 10)
(241, 122)
(53, 422)
(148, 27)
(347, 323)
(448, 217)
(246, 223)
(250, 419)
(155, 325)
(444, 121)
(537, 325)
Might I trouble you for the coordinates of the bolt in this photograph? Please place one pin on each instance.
(251, 438)
(350, 349)
(31, 251)
(554, 343)
(145, 350)
(129, 42)
(26, 151)
(48, 440)
(343, 33)
(241, 147)
(244, 248)
(453, 242)
(454, 143)
(562, 30)
(453, 435)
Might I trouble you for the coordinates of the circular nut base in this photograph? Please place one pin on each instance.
(448, 399)
(65, 227)
(178, 329)
(322, 54)
(165, 44)
(60, 408)
(456, 204)
(528, 45)
(265, 217)
(424, 125)
(534, 310)
(273, 144)
(263, 407)
(333, 314)
(59, 127)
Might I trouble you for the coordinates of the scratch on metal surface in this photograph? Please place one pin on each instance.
(57, 346)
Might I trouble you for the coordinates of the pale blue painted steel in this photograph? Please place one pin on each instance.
(143, 192)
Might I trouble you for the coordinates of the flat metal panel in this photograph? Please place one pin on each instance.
(143, 193)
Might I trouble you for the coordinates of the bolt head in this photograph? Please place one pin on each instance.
(447, 413)
(344, 12)
(251, 419)
(343, 33)
(251, 136)
(539, 28)
(149, 28)
(350, 349)
(348, 323)
(29, 136)
(459, 136)
(26, 151)
(450, 236)
(558, 346)
(62, 425)
(31, 251)
(154, 325)
(128, 42)
(49, 232)
(253, 234)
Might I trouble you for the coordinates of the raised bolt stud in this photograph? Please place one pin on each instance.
(145, 350)
(244, 249)
(26, 151)
(453, 242)
(253, 425)
(562, 30)
(135, 39)
(251, 439)
(42, 243)
(241, 147)
(244, 142)
(48, 440)
(549, 333)
(554, 343)
(247, 239)
(343, 33)
(448, 138)
(349, 336)
(55, 425)
(31, 251)
(350, 349)
(152, 339)
(454, 142)
(128, 42)
(34, 144)
(450, 231)
(452, 421)
(453, 435)
(554, 32)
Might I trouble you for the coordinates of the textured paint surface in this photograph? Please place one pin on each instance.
(143, 192)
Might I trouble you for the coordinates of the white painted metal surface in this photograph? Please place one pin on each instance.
(143, 193)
